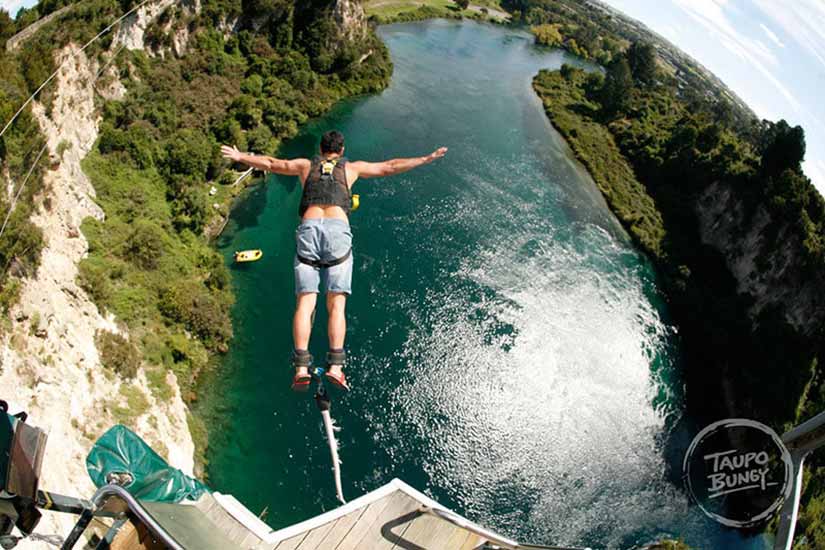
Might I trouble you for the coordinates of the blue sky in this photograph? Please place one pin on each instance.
(770, 52)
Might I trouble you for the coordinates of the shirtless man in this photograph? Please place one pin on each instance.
(323, 241)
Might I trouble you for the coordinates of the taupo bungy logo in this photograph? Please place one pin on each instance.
(738, 471)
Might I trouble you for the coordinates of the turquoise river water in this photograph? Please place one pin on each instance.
(510, 354)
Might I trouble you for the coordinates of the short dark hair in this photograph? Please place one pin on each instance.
(332, 142)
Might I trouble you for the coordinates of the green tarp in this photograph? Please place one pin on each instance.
(121, 451)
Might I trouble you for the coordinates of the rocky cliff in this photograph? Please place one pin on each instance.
(51, 366)
(763, 255)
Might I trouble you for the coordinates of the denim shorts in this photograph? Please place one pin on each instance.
(323, 239)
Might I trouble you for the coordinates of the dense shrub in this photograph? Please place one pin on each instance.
(548, 35)
(93, 277)
(191, 208)
(190, 303)
(188, 153)
(117, 353)
(145, 244)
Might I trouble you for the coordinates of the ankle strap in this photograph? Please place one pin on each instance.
(301, 358)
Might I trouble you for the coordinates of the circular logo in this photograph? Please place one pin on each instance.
(738, 472)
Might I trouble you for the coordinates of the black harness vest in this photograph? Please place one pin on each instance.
(326, 184)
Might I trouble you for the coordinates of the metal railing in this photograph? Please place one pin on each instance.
(800, 441)
(99, 501)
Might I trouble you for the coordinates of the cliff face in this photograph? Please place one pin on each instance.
(350, 21)
(763, 257)
(50, 365)
(333, 32)
(132, 32)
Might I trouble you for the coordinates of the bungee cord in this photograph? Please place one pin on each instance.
(20, 189)
(86, 45)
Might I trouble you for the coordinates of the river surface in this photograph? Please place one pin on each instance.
(510, 354)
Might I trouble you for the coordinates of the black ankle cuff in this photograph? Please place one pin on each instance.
(301, 358)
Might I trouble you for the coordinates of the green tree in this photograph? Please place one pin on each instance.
(253, 85)
(144, 247)
(7, 27)
(188, 154)
(783, 147)
(547, 35)
(641, 57)
(189, 302)
(618, 84)
(191, 208)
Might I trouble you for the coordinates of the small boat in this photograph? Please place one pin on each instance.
(248, 255)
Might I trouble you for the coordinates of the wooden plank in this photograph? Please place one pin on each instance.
(234, 530)
(473, 542)
(395, 519)
(135, 536)
(225, 522)
(291, 543)
(342, 526)
(314, 537)
(206, 503)
(428, 531)
(458, 539)
(371, 515)
(189, 526)
(250, 541)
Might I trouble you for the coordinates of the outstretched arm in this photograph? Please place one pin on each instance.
(394, 166)
(293, 167)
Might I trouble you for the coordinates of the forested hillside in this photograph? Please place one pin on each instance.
(217, 71)
(736, 230)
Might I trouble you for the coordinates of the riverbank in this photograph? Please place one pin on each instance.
(384, 12)
(729, 247)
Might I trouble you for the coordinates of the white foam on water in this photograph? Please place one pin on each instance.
(554, 415)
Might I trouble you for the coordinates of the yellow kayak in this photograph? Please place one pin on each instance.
(248, 256)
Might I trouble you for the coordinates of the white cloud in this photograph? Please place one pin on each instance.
(772, 35)
(801, 21)
(711, 15)
(815, 170)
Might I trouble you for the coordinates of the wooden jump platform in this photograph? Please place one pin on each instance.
(387, 518)
(394, 516)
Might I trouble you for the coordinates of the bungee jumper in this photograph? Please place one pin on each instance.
(323, 254)
(323, 241)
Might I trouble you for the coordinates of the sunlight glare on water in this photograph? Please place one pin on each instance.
(560, 414)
